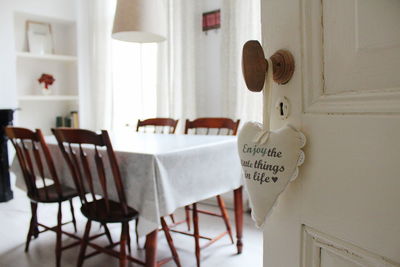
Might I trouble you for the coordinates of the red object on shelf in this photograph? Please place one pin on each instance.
(47, 79)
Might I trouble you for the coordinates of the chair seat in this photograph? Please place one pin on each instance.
(51, 196)
(96, 211)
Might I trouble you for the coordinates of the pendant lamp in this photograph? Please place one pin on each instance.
(140, 21)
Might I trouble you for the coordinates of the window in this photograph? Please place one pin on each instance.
(134, 68)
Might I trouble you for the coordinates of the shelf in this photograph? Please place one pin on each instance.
(48, 97)
(27, 55)
(39, 110)
(30, 16)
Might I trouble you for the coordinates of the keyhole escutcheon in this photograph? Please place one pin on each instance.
(282, 106)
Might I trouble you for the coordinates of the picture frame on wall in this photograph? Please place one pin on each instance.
(212, 20)
(40, 39)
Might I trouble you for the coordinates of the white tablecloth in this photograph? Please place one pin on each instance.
(164, 172)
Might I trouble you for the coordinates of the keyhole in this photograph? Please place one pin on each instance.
(281, 108)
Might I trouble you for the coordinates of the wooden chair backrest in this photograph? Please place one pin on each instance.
(30, 148)
(216, 126)
(158, 125)
(76, 145)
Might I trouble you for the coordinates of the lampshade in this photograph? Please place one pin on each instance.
(141, 21)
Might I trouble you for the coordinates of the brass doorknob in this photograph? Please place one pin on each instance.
(255, 66)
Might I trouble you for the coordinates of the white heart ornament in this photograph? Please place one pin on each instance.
(270, 160)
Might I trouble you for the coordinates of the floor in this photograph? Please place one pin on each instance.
(14, 221)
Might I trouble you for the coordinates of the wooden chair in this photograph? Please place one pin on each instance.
(216, 126)
(95, 207)
(30, 148)
(164, 126)
(158, 125)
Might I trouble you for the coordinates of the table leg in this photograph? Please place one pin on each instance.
(151, 249)
(238, 197)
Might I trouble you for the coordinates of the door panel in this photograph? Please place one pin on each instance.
(351, 52)
(377, 23)
(361, 40)
(323, 250)
(329, 259)
(351, 181)
(345, 97)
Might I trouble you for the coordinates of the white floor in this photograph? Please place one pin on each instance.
(14, 221)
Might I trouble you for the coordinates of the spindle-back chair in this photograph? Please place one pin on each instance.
(85, 153)
(210, 126)
(157, 125)
(42, 182)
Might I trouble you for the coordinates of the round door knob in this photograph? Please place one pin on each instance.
(255, 66)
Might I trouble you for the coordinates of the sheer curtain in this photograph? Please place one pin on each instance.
(159, 79)
(95, 25)
(121, 77)
(130, 81)
(135, 74)
(179, 59)
(176, 89)
(241, 21)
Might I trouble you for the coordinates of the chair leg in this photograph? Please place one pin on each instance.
(151, 248)
(35, 224)
(196, 233)
(187, 214)
(73, 214)
(122, 253)
(108, 234)
(32, 225)
(225, 216)
(137, 232)
(170, 242)
(129, 239)
(58, 238)
(172, 217)
(35, 229)
(84, 243)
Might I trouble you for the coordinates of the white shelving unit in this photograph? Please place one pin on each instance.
(36, 109)
(27, 55)
(48, 98)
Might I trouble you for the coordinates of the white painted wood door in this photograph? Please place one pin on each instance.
(344, 209)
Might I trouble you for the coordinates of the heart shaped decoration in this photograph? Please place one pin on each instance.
(270, 160)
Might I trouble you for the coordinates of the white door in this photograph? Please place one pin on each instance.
(344, 209)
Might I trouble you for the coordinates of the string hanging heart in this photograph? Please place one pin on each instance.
(269, 159)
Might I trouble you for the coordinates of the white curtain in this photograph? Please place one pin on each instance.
(135, 74)
(241, 21)
(180, 60)
(158, 80)
(96, 17)
(130, 81)
(176, 88)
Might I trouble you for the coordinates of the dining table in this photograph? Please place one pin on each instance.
(164, 172)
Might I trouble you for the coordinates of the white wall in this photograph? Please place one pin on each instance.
(208, 76)
(64, 9)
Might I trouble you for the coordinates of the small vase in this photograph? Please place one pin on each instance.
(46, 91)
